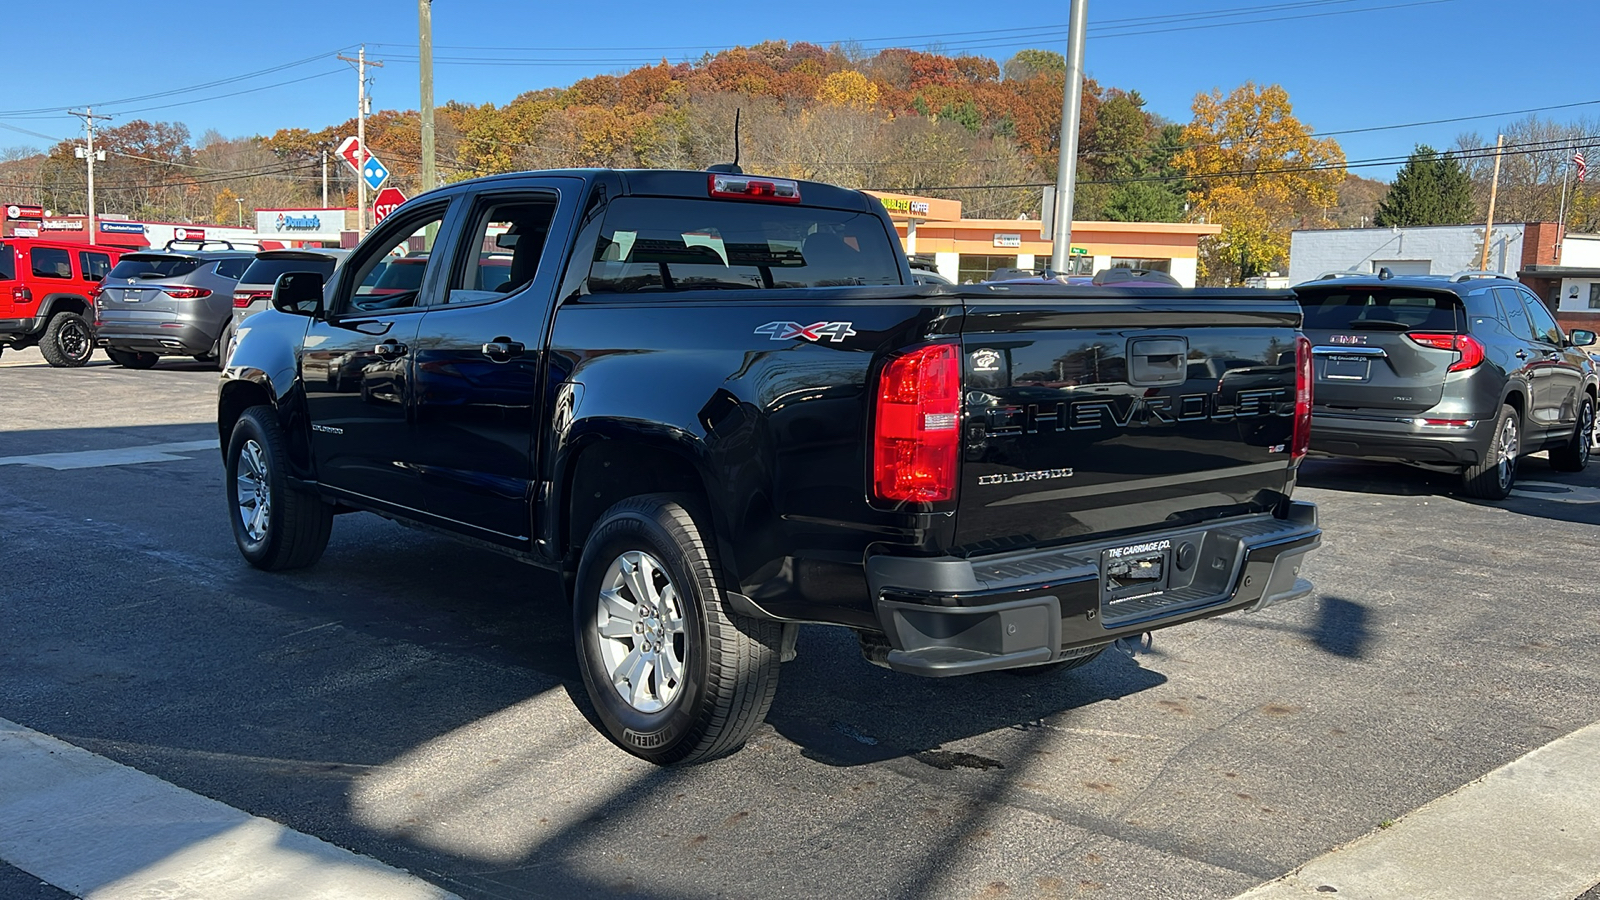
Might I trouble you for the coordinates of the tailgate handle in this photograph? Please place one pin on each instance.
(1158, 361)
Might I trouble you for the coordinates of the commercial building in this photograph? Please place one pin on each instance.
(303, 227)
(274, 228)
(1564, 270)
(970, 250)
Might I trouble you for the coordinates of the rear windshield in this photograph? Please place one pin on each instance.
(136, 266)
(8, 263)
(1380, 311)
(658, 244)
(267, 269)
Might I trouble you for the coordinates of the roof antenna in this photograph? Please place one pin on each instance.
(733, 167)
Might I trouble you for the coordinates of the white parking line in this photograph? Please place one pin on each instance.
(1529, 829)
(103, 831)
(94, 459)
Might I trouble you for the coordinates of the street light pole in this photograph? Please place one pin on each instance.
(361, 134)
(240, 201)
(1071, 119)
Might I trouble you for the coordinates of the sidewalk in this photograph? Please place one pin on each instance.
(1529, 830)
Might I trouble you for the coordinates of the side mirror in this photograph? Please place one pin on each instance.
(1581, 338)
(298, 293)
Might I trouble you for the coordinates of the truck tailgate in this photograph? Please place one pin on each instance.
(1094, 411)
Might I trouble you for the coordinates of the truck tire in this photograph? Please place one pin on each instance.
(674, 675)
(68, 341)
(1496, 472)
(1573, 456)
(132, 359)
(275, 525)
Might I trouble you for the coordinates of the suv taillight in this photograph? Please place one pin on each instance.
(186, 293)
(1470, 348)
(917, 426)
(242, 299)
(21, 294)
(1302, 398)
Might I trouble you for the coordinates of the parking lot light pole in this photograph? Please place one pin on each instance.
(1071, 119)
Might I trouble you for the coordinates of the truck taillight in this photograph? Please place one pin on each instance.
(1470, 348)
(1302, 398)
(186, 293)
(746, 187)
(917, 426)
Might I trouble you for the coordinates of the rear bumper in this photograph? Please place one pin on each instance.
(952, 616)
(11, 329)
(1400, 439)
(171, 338)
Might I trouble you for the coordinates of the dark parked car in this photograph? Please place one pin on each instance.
(1465, 373)
(168, 303)
(254, 289)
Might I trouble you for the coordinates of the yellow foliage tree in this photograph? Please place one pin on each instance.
(225, 209)
(1257, 171)
(848, 88)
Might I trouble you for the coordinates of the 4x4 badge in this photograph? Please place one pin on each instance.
(783, 331)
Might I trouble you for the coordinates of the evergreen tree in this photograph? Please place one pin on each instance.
(1430, 189)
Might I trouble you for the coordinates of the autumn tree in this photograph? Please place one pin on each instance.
(1430, 189)
(1258, 172)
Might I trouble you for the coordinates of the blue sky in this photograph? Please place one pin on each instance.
(1347, 64)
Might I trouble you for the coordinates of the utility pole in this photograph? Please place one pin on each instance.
(1494, 188)
(1561, 217)
(430, 178)
(1071, 118)
(324, 179)
(88, 118)
(361, 133)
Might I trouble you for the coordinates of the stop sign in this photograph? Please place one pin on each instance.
(387, 201)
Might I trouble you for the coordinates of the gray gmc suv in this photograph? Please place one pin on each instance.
(1463, 373)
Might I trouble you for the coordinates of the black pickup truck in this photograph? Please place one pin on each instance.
(720, 406)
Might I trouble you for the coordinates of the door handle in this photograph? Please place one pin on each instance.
(1522, 354)
(390, 349)
(502, 349)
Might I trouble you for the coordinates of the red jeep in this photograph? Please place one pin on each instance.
(47, 291)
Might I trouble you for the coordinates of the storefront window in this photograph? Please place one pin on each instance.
(1152, 265)
(1594, 295)
(975, 268)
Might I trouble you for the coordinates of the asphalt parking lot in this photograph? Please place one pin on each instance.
(417, 701)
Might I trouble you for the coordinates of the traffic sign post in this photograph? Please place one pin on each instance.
(388, 200)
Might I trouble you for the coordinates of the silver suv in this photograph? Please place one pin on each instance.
(1464, 373)
(168, 303)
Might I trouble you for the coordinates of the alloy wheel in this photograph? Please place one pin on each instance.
(73, 338)
(1509, 445)
(251, 491)
(641, 633)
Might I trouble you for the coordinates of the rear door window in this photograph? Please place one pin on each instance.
(8, 263)
(651, 244)
(233, 268)
(1515, 315)
(94, 265)
(140, 266)
(1366, 310)
(51, 262)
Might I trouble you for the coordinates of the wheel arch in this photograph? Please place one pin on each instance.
(53, 304)
(605, 465)
(243, 388)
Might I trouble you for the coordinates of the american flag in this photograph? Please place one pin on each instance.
(1583, 167)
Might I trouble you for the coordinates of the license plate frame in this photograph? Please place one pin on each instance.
(1134, 570)
(1339, 367)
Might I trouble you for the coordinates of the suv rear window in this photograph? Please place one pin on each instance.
(51, 262)
(136, 266)
(1362, 310)
(267, 269)
(8, 263)
(659, 244)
